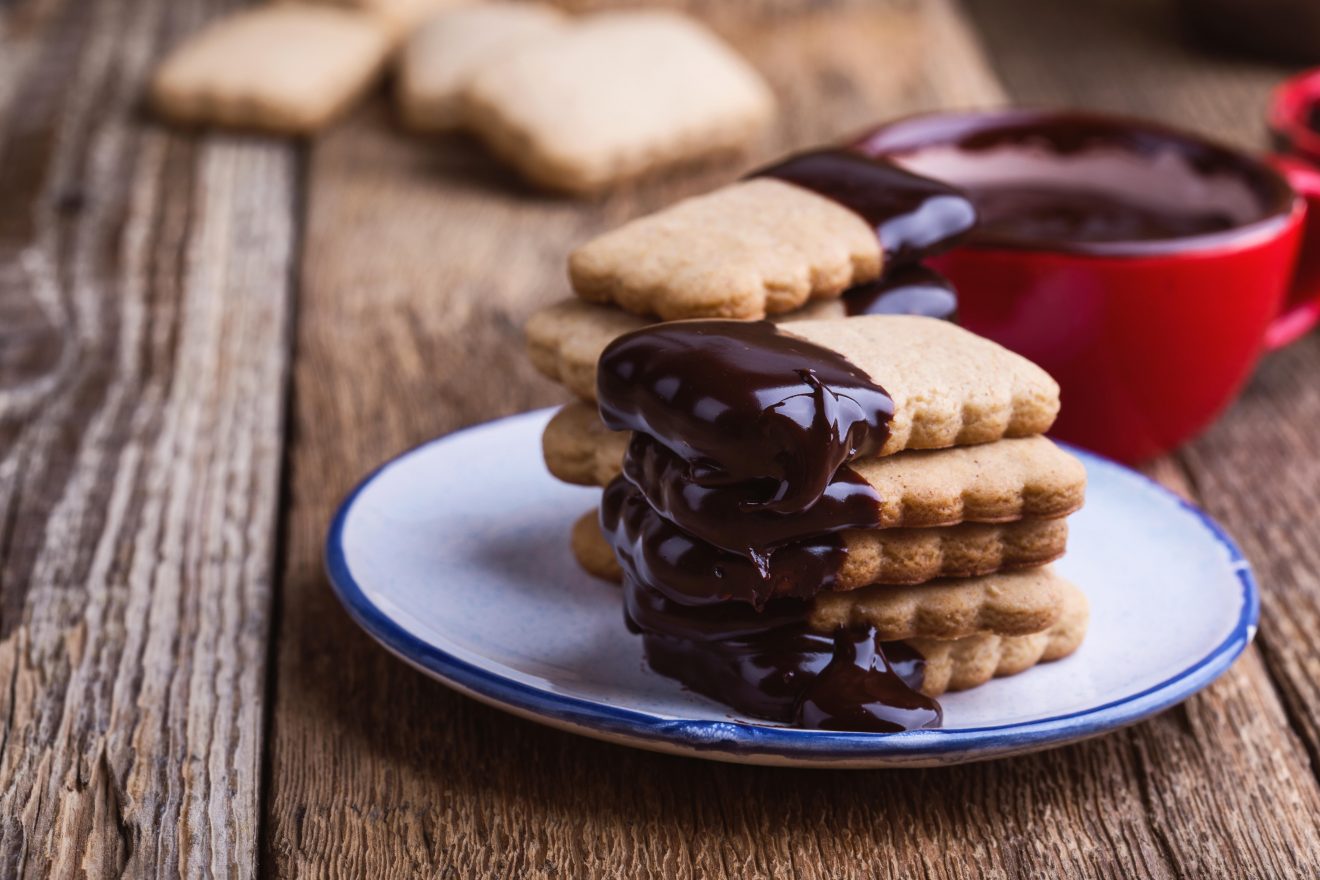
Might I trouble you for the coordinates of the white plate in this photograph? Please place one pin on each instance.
(455, 557)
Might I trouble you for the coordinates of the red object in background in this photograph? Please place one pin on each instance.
(1294, 121)
(1149, 339)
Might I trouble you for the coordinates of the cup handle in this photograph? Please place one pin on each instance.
(1302, 309)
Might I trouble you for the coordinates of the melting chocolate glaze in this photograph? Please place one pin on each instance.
(910, 290)
(740, 402)
(742, 434)
(1015, 167)
(735, 518)
(771, 665)
(687, 570)
(913, 216)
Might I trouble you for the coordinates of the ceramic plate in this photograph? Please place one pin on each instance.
(455, 557)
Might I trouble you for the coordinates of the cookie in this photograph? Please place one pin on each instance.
(284, 68)
(1001, 481)
(403, 17)
(565, 339)
(895, 556)
(914, 556)
(578, 448)
(956, 665)
(950, 387)
(1008, 603)
(617, 95)
(749, 249)
(811, 226)
(591, 550)
(449, 47)
(399, 17)
(991, 482)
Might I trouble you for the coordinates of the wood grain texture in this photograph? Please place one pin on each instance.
(144, 310)
(421, 262)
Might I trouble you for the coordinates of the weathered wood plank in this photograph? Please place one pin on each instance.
(422, 260)
(144, 306)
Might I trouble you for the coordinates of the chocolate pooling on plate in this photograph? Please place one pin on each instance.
(726, 520)
(913, 216)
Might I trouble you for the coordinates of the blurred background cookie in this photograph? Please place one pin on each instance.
(444, 53)
(286, 68)
(618, 95)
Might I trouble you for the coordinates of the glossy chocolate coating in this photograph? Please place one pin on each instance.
(909, 290)
(736, 486)
(734, 518)
(741, 402)
(769, 664)
(913, 216)
(690, 571)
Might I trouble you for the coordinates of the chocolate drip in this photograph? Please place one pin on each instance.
(771, 665)
(658, 554)
(741, 402)
(736, 487)
(911, 290)
(735, 518)
(913, 216)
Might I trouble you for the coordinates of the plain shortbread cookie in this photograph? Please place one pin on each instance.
(444, 53)
(286, 68)
(749, 249)
(617, 95)
(959, 664)
(1012, 603)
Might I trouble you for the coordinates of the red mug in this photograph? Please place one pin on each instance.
(1145, 268)
(1294, 121)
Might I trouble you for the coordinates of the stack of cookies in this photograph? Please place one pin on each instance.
(822, 520)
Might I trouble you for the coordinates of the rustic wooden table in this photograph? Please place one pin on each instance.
(206, 340)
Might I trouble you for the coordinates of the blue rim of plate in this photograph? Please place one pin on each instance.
(737, 738)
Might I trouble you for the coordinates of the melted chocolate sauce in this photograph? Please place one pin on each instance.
(690, 571)
(913, 216)
(771, 665)
(735, 518)
(736, 486)
(1057, 212)
(740, 402)
(910, 290)
(1084, 182)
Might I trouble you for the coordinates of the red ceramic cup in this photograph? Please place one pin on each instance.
(1149, 337)
(1294, 121)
